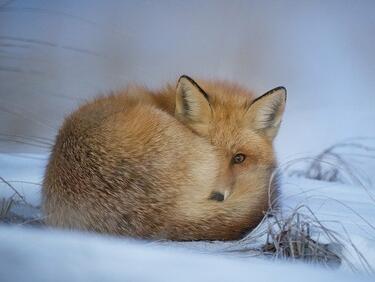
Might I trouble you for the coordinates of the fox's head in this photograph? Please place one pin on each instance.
(241, 130)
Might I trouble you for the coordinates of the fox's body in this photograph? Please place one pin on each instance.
(161, 164)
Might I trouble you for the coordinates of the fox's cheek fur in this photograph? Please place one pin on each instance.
(163, 165)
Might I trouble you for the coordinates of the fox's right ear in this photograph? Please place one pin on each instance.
(265, 113)
(192, 105)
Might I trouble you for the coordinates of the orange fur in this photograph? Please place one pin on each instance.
(145, 163)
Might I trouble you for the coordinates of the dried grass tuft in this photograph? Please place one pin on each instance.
(291, 238)
(300, 236)
(5, 206)
(337, 163)
(17, 200)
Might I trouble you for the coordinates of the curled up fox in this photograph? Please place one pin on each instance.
(192, 161)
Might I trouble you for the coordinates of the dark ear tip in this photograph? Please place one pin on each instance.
(282, 88)
(276, 89)
(285, 91)
(279, 88)
(184, 76)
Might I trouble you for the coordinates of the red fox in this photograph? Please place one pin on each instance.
(192, 162)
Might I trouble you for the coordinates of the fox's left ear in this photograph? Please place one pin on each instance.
(265, 112)
(192, 105)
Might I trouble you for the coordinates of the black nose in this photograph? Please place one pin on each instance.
(217, 196)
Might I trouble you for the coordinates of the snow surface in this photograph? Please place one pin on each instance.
(33, 255)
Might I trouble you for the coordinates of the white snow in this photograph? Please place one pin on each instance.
(35, 255)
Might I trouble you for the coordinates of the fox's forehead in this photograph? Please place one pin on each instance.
(229, 103)
(228, 128)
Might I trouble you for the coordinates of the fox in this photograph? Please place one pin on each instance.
(193, 160)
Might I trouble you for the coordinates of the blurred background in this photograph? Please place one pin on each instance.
(56, 54)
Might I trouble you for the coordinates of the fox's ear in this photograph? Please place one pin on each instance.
(265, 113)
(192, 105)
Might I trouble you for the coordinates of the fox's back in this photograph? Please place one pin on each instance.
(113, 162)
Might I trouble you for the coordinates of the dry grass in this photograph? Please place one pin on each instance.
(294, 237)
(291, 237)
(338, 163)
(5, 206)
(301, 237)
(8, 216)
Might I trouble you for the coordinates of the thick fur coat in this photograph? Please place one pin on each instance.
(188, 162)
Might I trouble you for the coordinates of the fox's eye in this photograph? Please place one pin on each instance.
(238, 158)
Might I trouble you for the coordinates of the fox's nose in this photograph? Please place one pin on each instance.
(226, 190)
(226, 183)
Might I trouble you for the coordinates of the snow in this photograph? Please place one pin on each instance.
(36, 255)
